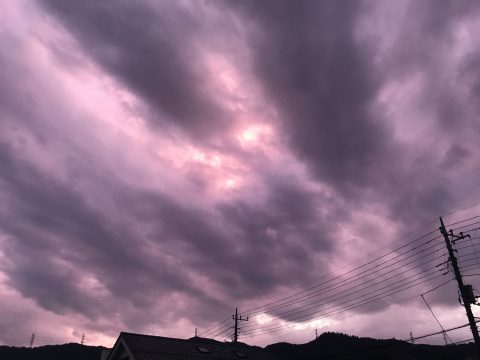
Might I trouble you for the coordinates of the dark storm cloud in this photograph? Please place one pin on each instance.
(244, 256)
(311, 66)
(283, 231)
(153, 51)
(322, 77)
(66, 220)
(60, 228)
(422, 47)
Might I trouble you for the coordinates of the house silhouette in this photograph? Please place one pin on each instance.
(131, 346)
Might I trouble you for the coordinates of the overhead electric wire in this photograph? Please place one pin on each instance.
(280, 327)
(393, 342)
(376, 266)
(438, 286)
(463, 341)
(397, 289)
(366, 271)
(466, 228)
(461, 221)
(214, 329)
(367, 293)
(359, 266)
(468, 264)
(470, 275)
(438, 321)
(268, 306)
(349, 291)
(440, 332)
(223, 329)
(322, 312)
(218, 328)
(459, 248)
(461, 209)
(473, 247)
(364, 285)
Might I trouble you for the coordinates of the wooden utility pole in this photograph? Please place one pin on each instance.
(237, 319)
(32, 340)
(465, 290)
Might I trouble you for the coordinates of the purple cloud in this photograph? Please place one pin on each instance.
(164, 163)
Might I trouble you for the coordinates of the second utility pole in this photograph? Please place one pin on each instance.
(237, 319)
(465, 290)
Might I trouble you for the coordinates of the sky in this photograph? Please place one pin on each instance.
(163, 162)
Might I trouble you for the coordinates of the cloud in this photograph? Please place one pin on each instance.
(156, 52)
(164, 163)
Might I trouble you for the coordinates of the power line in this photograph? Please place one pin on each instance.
(440, 332)
(465, 290)
(366, 301)
(463, 341)
(358, 303)
(461, 209)
(213, 327)
(349, 290)
(316, 294)
(280, 303)
(438, 321)
(393, 342)
(370, 261)
(364, 272)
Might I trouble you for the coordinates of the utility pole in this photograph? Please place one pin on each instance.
(32, 339)
(83, 339)
(412, 339)
(445, 337)
(237, 319)
(466, 291)
(316, 334)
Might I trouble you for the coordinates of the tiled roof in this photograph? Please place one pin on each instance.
(147, 347)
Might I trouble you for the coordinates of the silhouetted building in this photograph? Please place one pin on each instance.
(146, 347)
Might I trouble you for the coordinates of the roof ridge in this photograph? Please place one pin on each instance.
(149, 335)
(178, 339)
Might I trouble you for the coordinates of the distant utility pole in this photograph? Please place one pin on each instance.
(316, 334)
(412, 339)
(237, 319)
(466, 291)
(83, 339)
(32, 339)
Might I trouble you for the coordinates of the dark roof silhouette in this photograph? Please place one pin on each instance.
(148, 347)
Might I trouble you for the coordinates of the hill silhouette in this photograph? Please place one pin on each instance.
(52, 352)
(347, 347)
(327, 346)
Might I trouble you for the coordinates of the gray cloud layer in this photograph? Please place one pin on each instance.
(82, 237)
